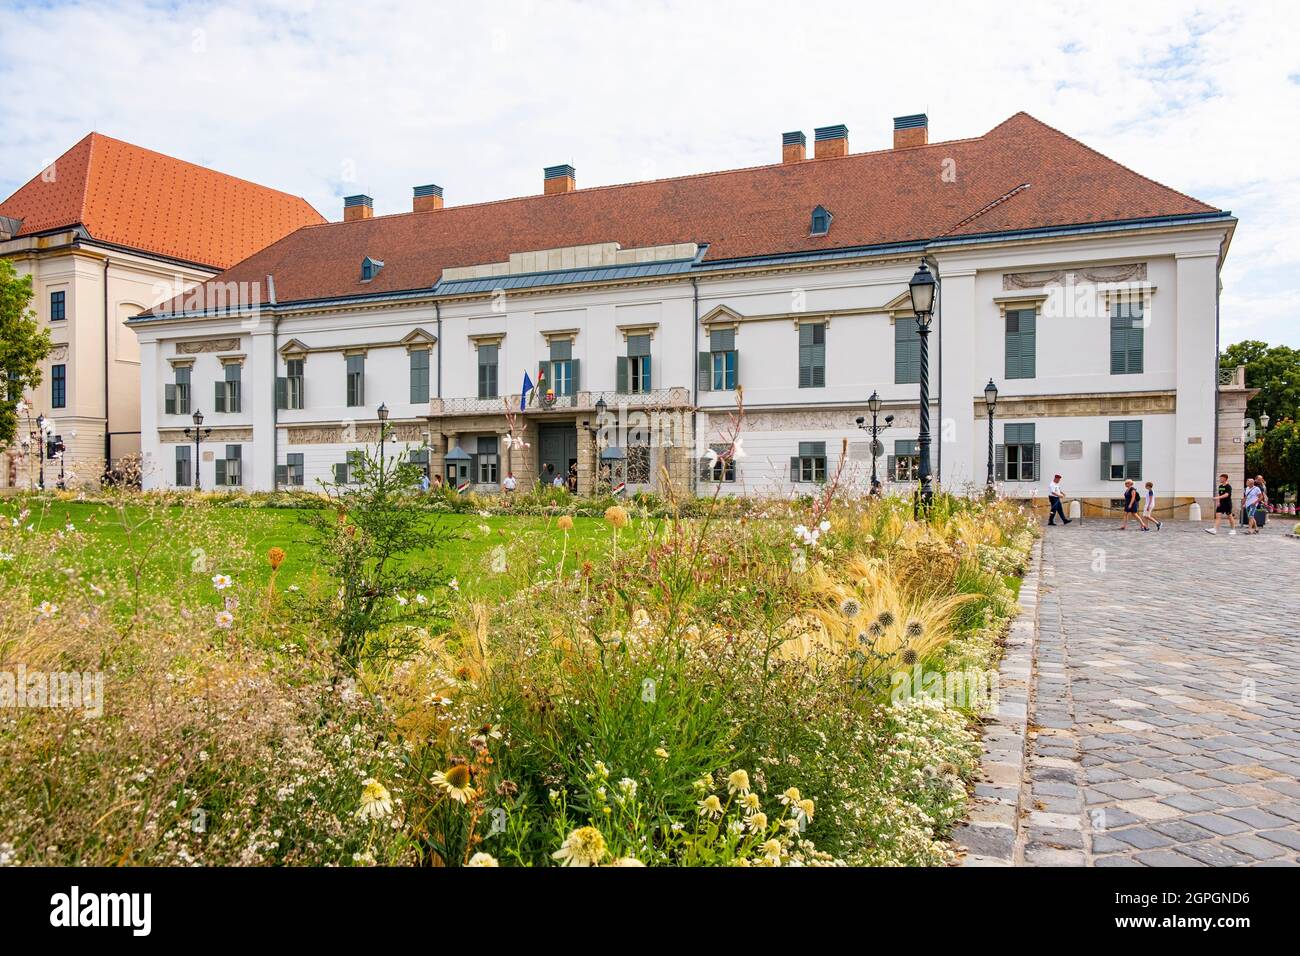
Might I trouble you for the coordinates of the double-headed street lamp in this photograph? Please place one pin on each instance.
(922, 288)
(198, 433)
(991, 402)
(873, 405)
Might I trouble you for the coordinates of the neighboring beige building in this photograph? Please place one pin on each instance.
(106, 231)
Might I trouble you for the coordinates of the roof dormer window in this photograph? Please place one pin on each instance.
(370, 268)
(821, 222)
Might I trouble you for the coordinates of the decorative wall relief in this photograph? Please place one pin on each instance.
(1128, 272)
(208, 345)
(402, 433)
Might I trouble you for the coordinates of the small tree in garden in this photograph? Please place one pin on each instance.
(23, 346)
(370, 541)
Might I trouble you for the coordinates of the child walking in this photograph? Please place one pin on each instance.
(1149, 508)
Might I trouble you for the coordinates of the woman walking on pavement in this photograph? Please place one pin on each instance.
(1131, 498)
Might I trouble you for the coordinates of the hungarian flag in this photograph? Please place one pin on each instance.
(541, 384)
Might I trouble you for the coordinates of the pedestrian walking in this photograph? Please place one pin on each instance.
(1250, 504)
(1222, 506)
(1131, 503)
(1265, 506)
(510, 484)
(1149, 508)
(1056, 500)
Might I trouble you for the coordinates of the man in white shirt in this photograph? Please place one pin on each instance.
(510, 484)
(1055, 498)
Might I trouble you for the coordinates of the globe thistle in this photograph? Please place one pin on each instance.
(886, 619)
(915, 629)
(908, 656)
(850, 608)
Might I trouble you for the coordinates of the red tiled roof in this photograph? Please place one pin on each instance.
(133, 197)
(895, 195)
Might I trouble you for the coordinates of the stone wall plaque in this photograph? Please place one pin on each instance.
(1071, 450)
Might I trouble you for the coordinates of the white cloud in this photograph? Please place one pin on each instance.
(325, 99)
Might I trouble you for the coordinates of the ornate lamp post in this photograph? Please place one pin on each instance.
(382, 412)
(873, 404)
(198, 433)
(594, 431)
(922, 288)
(991, 402)
(39, 438)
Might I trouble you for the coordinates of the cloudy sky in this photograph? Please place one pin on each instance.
(324, 99)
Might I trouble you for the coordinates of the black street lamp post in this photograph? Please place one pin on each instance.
(991, 402)
(873, 404)
(40, 448)
(382, 412)
(594, 431)
(198, 433)
(922, 289)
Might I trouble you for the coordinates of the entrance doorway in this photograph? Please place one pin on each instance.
(557, 451)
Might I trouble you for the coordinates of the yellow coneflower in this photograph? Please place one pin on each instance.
(751, 802)
(626, 861)
(455, 782)
(738, 782)
(806, 807)
(791, 796)
(482, 859)
(757, 822)
(710, 806)
(376, 802)
(585, 846)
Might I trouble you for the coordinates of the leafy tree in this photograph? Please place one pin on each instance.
(1280, 457)
(368, 542)
(23, 346)
(1274, 370)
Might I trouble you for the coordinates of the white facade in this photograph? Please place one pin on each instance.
(1071, 400)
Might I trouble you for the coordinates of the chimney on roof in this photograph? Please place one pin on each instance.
(357, 207)
(427, 198)
(559, 179)
(911, 130)
(794, 147)
(832, 141)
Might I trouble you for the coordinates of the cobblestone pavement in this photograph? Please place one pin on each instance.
(1164, 722)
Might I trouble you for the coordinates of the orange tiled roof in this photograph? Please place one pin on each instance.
(133, 197)
(1022, 174)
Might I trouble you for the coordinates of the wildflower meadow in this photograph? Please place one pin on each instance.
(371, 676)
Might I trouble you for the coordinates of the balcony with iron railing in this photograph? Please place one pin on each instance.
(583, 401)
(1234, 378)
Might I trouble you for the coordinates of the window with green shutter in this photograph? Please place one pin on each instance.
(228, 397)
(419, 376)
(905, 463)
(632, 374)
(1020, 345)
(719, 366)
(1126, 336)
(1017, 458)
(289, 391)
(812, 355)
(809, 466)
(562, 370)
(907, 353)
(184, 459)
(1121, 457)
(487, 370)
(356, 380)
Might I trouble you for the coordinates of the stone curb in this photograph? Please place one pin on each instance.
(988, 836)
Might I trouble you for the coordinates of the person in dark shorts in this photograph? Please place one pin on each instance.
(1131, 501)
(1222, 506)
(1055, 499)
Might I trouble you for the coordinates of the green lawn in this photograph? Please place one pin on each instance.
(159, 541)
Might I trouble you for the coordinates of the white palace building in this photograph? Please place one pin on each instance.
(1087, 293)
